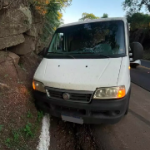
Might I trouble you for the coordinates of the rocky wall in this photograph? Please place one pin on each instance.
(20, 27)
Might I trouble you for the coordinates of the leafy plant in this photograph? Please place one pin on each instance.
(88, 16)
(8, 142)
(22, 67)
(105, 15)
(136, 5)
(40, 116)
(1, 127)
(138, 20)
(16, 136)
(29, 115)
(52, 20)
(27, 130)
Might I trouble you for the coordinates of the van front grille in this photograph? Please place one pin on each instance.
(74, 96)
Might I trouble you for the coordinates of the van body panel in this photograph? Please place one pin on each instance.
(40, 71)
(79, 74)
(124, 75)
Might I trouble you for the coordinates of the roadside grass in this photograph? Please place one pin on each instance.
(18, 137)
(1, 128)
(20, 122)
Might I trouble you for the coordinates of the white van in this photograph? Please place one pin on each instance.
(84, 76)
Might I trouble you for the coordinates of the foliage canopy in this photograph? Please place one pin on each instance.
(88, 16)
(136, 5)
(51, 10)
(138, 21)
(105, 15)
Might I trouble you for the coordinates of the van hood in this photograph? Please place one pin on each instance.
(79, 74)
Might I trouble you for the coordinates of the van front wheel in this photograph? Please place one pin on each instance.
(126, 111)
(133, 65)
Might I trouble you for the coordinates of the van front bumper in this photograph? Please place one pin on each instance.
(96, 112)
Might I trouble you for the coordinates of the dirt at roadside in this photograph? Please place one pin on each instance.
(69, 136)
(20, 123)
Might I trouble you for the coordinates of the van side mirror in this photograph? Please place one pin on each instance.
(137, 51)
(43, 52)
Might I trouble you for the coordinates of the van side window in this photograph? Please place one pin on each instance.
(58, 43)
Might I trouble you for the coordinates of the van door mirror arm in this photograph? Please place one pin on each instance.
(136, 51)
(43, 52)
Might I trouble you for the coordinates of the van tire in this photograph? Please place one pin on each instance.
(40, 106)
(126, 111)
(133, 65)
(37, 105)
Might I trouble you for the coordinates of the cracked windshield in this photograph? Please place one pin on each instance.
(74, 74)
(105, 38)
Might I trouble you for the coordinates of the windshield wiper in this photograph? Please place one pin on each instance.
(93, 53)
(63, 54)
(71, 56)
(103, 55)
(98, 54)
(56, 52)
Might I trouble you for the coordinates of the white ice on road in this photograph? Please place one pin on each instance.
(44, 142)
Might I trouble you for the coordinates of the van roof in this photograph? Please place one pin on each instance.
(93, 20)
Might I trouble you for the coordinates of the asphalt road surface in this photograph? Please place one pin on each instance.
(131, 133)
(145, 63)
(141, 77)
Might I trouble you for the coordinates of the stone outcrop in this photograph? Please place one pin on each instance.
(11, 41)
(14, 57)
(15, 21)
(20, 28)
(4, 3)
(35, 30)
(26, 47)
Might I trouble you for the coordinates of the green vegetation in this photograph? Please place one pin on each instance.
(1, 128)
(8, 142)
(16, 136)
(136, 5)
(105, 15)
(50, 10)
(139, 23)
(29, 115)
(88, 16)
(40, 116)
(91, 16)
(52, 20)
(27, 132)
(22, 67)
(138, 20)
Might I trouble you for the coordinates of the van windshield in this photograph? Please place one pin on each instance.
(90, 40)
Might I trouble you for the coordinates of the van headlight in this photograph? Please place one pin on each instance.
(110, 93)
(38, 86)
